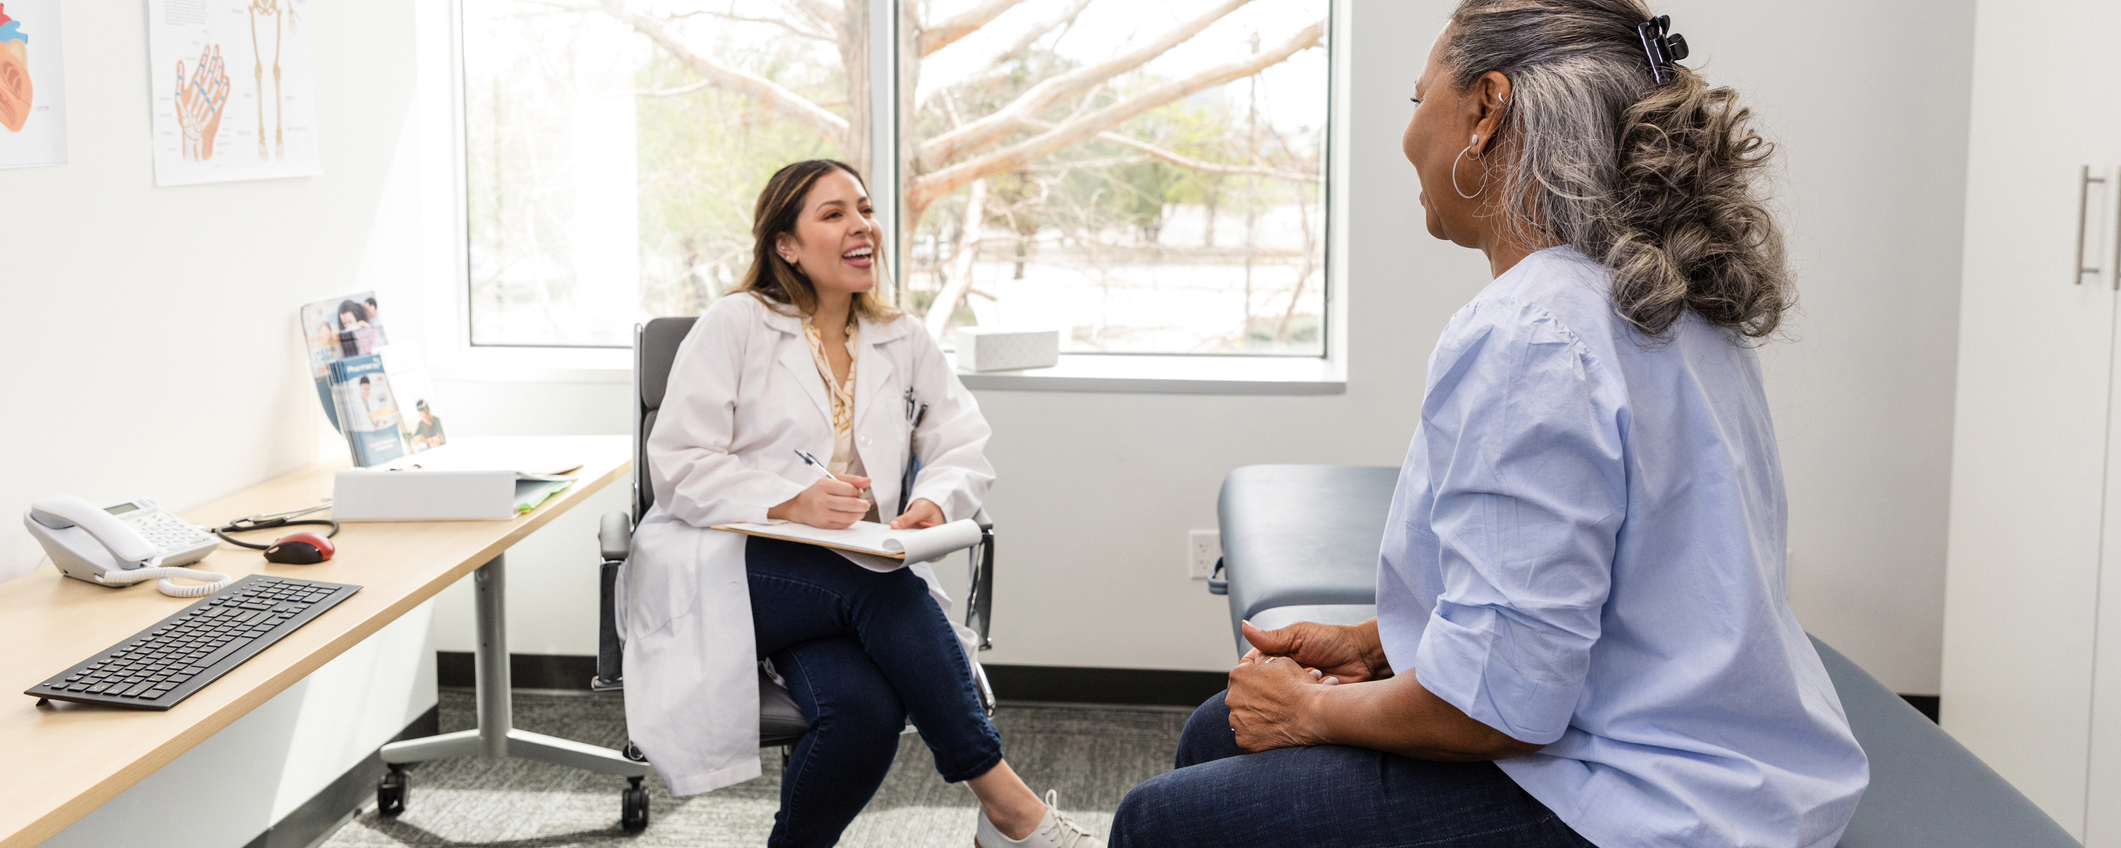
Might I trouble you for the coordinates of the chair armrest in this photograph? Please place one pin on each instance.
(979, 594)
(615, 538)
(616, 535)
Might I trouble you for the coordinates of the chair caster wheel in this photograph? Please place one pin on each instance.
(390, 792)
(633, 807)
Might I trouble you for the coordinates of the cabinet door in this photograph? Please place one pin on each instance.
(2036, 351)
(2102, 794)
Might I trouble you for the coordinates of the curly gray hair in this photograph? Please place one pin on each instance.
(1657, 182)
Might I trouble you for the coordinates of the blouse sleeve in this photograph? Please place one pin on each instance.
(1523, 429)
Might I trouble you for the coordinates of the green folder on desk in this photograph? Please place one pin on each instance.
(532, 490)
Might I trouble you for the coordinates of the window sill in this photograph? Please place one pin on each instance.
(1171, 375)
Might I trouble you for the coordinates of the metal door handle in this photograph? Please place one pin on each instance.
(2084, 205)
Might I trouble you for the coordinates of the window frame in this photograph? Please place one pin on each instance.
(444, 252)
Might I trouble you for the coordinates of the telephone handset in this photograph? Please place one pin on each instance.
(122, 543)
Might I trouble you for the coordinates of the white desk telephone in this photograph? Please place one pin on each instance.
(123, 542)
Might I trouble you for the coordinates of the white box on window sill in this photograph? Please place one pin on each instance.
(990, 349)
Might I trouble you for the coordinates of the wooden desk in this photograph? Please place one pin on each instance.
(60, 761)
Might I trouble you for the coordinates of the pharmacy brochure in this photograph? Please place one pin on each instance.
(374, 392)
(367, 409)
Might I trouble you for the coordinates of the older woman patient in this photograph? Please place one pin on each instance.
(1582, 636)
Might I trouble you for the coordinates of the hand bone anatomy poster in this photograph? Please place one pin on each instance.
(233, 90)
(32, 90)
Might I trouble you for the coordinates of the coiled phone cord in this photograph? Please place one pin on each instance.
(168, 586)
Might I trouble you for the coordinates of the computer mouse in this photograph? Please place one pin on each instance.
(300, 549)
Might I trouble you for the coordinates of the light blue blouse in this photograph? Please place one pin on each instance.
(1586, 551)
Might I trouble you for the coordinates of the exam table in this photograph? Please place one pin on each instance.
(1300, 544)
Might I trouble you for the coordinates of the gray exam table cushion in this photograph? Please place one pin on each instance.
(1927, 790)
(1302, 535)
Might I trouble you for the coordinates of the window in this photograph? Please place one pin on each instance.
(1146, 177)
(612, 157)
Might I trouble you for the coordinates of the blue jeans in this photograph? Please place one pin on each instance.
(1326, 797)
(861, 651)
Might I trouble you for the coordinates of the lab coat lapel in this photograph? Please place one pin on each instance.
(873, 370)
(795, 356)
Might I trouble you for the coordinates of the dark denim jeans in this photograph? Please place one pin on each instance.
(1326, 797)
(860, 651)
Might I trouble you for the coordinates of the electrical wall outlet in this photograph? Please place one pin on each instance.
(1203, 548)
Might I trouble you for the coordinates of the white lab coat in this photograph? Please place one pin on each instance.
(743, 395)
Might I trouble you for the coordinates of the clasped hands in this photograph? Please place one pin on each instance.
(837, 503)
(1277, 689)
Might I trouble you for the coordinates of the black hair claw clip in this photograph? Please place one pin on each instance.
(1661, 46)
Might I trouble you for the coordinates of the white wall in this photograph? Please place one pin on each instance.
(1097, 491)
(148, 346)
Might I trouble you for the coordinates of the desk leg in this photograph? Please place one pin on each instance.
(496, 736)
(490, 672)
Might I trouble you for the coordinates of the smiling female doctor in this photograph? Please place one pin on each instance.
(803, 358)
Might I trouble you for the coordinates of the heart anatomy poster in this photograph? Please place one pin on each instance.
(32, 85)
(233, 85)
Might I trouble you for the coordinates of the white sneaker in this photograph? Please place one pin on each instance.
(1054, 831)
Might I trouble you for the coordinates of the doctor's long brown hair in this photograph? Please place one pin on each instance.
(780, 207)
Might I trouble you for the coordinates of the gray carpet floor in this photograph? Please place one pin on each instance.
(1092, 755)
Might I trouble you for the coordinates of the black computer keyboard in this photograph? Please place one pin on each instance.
(157, 667)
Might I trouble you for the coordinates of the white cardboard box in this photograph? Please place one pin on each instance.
(423, 495)
(987, 349)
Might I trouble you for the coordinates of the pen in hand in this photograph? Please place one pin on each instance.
(824, 472)
(819, 505)
(813, 463)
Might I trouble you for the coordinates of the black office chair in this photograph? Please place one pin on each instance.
(781, 723)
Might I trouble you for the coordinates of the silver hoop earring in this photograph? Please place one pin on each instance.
(1483, 175)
